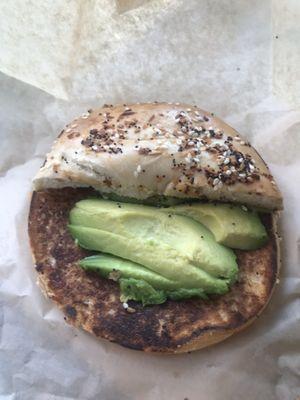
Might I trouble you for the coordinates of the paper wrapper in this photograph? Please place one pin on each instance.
(239, 59)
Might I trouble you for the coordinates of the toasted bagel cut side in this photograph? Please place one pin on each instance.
(92, 302)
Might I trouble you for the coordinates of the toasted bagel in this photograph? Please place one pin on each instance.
(93, 303)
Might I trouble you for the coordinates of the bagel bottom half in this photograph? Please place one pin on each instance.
(92, 302)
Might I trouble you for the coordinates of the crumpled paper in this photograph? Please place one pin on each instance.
(238, 59)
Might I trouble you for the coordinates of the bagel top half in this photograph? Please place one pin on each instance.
(145, 150)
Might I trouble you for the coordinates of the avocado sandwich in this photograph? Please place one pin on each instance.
(155, 226)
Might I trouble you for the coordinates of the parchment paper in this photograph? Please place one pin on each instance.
(239, 59)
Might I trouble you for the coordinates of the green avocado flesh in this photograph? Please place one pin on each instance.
(137, 282)
(106, 264)
(161, 253)
(232, 226)
(177, 247)
(140, 290)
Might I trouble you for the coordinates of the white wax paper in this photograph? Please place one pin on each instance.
(239, 59)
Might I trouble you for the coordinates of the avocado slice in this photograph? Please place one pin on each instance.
(137, 282)
(158, 257)
(140, 290)
(184, 241)
(232, 226)
(105, 264)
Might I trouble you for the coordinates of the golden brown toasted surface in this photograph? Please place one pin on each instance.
(144, 150)
(92, 302)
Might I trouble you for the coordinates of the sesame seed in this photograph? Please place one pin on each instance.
(125, 305)
(165, 146)
(242, 143)
(68, 130)
(139, 169)
(244, 208)
(226, 161)
(74, 126)
(216, 181)
(228, 172)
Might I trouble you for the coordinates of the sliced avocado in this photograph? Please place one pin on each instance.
(233, 226)
(181, 237)
(140, 290)
(159, 257)
(137, 282)
(105, 264)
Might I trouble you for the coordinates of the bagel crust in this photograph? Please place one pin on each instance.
(93, 303)
(145, 150)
